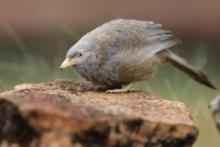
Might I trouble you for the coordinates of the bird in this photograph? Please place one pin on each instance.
(215, 109)
(123, 51)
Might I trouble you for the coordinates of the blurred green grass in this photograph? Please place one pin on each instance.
(29, 60)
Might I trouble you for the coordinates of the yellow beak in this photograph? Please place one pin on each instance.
(67, 63)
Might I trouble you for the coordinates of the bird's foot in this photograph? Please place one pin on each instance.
(124, 89)
(120, 90)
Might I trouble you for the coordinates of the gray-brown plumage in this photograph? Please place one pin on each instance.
(123, 51)
(215, 108)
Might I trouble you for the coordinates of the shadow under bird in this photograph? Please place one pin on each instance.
(123, 51)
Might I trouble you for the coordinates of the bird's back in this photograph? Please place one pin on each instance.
(125, 34)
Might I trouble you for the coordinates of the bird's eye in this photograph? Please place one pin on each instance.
(79, 54)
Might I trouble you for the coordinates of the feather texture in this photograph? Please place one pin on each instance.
(125, 34)
(123, 51)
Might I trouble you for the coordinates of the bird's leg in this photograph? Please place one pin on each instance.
(124, 89)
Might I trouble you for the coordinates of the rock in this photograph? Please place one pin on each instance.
(64, 113)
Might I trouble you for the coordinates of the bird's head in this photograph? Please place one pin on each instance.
(82, 52)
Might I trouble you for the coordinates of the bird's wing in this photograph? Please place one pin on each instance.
(124, 34)
(159, 39)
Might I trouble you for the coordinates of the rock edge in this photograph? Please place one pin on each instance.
(64, 113)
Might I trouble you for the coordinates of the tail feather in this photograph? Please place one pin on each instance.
(184, 66)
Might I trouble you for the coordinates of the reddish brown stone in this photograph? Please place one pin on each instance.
(63, 113)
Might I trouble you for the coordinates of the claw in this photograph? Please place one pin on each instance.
(124, 89)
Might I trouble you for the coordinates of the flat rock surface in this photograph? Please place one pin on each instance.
(64, 113)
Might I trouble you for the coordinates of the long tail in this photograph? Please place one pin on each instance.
(184, 66)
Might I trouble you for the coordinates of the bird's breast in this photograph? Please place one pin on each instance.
(119, 70)
(102, 73)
